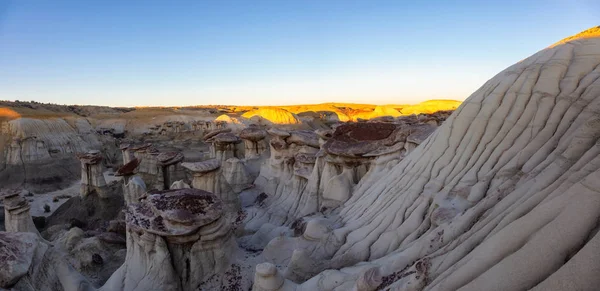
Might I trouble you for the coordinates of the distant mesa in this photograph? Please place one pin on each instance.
(274, 115)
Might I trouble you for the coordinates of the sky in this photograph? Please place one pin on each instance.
(179, 53)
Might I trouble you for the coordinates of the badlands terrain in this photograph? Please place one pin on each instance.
(499, 192)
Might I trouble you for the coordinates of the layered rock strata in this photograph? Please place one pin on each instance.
(170, 169)
(134, 187)
(92, 177)
(208, 176)
(16, 213)
(223, 146)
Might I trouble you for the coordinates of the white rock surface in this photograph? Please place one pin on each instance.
(505, 195)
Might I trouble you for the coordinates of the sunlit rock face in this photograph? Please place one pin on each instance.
(40, 153)
(502, 196)
(176, 240)
(92, 177)
(273, 116)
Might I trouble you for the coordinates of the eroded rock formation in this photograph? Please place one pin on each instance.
(16, 213)
(92, 177)
(176, 240)
(134, 187)
(503, 196)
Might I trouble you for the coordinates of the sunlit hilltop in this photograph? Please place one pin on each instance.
(588, 33)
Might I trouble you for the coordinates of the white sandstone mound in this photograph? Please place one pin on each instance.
(274, 115)
(505, 195)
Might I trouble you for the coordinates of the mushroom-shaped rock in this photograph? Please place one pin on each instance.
(208, 176)
(169, 169)
(133, 186)
(16, 213)
(92, 177)
(202, 167)
(223, 145)
(147, 154)
(127, 152)
(225, 138)
(253, 133)
(211, 134)
(303, 137)
(176, 239)
(255, 145)
(174, 212)
(169, 158)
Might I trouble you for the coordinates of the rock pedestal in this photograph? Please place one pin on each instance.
(92, 177)
(126, 152)
(16, 214)
(208, 176)
(176, 239)
(170, 169)
(133, 186)
(255, 145)
(223, 146)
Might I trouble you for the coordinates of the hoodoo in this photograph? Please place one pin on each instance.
(170, 169)
(16, 213)
(185, 228)
(133, 186)
(92, 177)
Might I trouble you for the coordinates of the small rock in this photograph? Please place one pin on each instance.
(46, 208)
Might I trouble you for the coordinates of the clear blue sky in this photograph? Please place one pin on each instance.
(126, 53)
